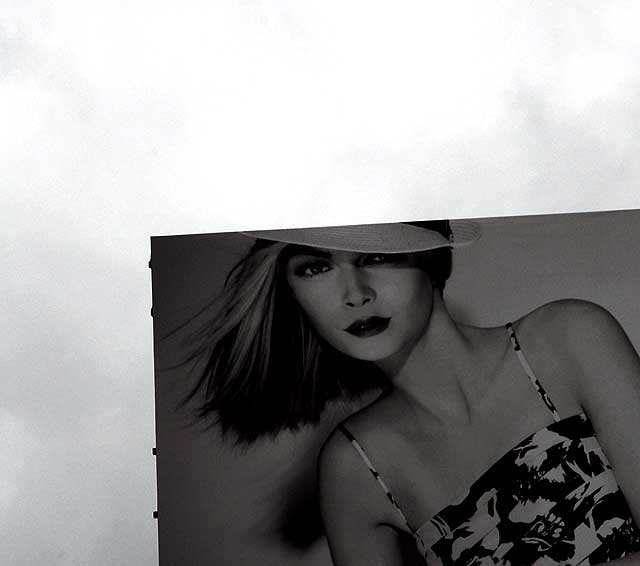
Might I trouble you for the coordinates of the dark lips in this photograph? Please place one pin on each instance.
(368, 326)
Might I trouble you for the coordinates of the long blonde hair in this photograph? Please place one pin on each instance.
(265, 367)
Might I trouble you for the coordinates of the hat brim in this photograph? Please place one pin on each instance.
(374, 238)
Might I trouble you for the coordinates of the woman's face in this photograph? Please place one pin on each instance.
(368, 306)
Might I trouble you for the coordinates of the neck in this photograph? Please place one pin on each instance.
(446, 370)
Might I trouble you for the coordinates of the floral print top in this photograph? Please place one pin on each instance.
(551, 499)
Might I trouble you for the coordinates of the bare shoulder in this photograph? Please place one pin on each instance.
(568, 323)
(588, 335)
(355, 511)
(342, 470)
(339, 456)
(337, 459)
(563, 314)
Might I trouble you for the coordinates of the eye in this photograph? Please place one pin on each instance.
(311, 269)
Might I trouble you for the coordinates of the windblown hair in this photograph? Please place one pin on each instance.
(266, 369)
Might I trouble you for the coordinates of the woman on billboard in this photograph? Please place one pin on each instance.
(511, 445)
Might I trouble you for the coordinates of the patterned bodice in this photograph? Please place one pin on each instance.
(551, 499)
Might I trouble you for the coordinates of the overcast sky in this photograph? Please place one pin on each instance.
(121, 120)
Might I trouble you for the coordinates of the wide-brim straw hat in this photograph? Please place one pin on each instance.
(396, 237)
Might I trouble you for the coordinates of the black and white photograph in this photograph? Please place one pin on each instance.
(420, 392)
(331, 283)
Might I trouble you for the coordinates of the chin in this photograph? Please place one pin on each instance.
(371, 352)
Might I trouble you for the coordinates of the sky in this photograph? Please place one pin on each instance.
(121, 120)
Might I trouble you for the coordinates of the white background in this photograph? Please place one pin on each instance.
(123, 120)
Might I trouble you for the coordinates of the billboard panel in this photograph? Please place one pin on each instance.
(224, 503)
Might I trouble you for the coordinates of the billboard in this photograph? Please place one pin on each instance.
(222, 502)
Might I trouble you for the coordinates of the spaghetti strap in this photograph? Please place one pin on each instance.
(532, 377)
(375, 474)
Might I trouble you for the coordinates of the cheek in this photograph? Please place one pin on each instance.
(315, 303)
(411, 293)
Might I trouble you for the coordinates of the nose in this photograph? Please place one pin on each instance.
(357, 291)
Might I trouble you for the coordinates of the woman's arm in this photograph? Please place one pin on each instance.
(608, 387)
(351, 504)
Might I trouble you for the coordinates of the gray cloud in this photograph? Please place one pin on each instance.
(160, 120)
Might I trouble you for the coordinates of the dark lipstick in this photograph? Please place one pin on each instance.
(365, 327)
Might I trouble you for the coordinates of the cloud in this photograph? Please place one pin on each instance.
(278, 98)
(122, 120)
(77, 408)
